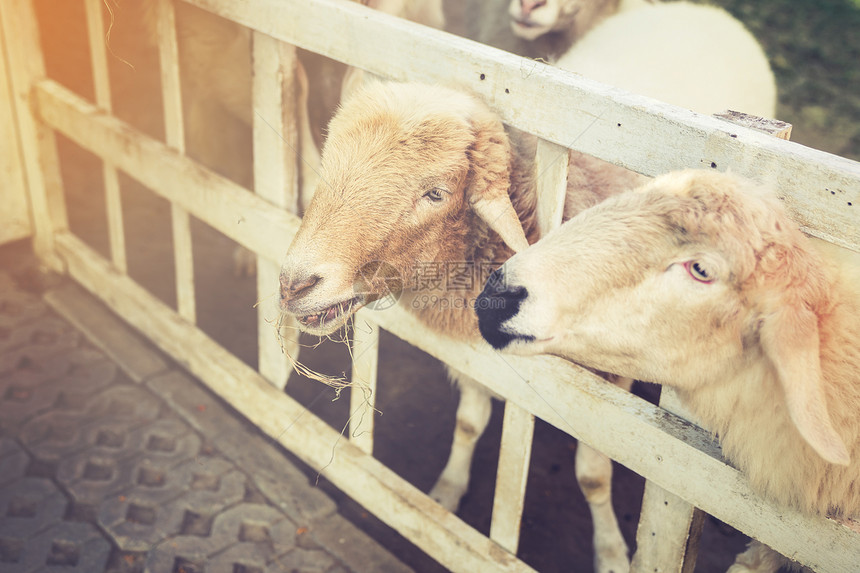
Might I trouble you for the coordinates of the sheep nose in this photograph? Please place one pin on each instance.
(297, 287)
(497, 303)
(498, 288)
(529, 5)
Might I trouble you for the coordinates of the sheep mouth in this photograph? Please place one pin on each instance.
(331, 317)
(525, 23)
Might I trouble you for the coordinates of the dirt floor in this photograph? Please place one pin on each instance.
(814, 50)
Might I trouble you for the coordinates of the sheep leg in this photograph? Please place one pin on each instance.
(758, 558)
(473, 414)
(594, 474)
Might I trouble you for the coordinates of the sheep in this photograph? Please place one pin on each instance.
(691, 55)
(699, 281)
(539, 29)
(215, 57)
(420, 177)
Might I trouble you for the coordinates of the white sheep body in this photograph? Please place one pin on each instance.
(694, 56)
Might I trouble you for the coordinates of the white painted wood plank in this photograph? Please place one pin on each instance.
(551, 166)
(171, 92)
(239, 214)
(113, 203)
(181, 228)
(511, 477)
(362, 392)
(276, 180)
(518, 425)
(15, 215)
(626, 129)
(20, 36)
(438, 532)
(174, 131)
(669, 527)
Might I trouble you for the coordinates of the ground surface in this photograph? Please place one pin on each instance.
(814, 49)
(112, 459)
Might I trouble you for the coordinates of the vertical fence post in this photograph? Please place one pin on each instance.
(23, 53)
(168, 52)
(551, 165)
(362, 392)
(15, 215)
(276, 180)
(667, 539)
(113, 202)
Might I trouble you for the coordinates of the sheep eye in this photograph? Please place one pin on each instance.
(435, 194)
(698, 272)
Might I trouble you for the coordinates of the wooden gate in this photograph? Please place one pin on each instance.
(565, 111)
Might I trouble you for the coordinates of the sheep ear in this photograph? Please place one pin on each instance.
(490, 176)
(790, 340)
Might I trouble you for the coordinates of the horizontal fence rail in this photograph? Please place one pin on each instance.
(633, 131)
(645, 438)
(820, 190)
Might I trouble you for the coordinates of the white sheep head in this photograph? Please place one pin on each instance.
(689, 281)
(405, 171)
(531, 19)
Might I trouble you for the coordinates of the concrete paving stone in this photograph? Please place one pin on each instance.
(351, 545)
(125, 401)
(136, 526)
(124, 460)
(254, 524)
(67, 547)
(8, 446)
(275, 476)
(136, 523)
(154, 485)
(13, 461)
(28, 506)
(53, 434)
(24, 394)
(18, 367)
(90, 478)
(184, 553)
(303, 561)
(17, 307)
(43, 337)
(246, 535)
(245, 557)
(196, 405)
(113, 336)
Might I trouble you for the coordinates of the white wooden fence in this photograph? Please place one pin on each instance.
(681, 462)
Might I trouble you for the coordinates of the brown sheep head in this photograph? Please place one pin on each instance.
(406, 169)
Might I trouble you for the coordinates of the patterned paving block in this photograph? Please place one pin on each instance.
(135, 522)
(255, 534)
(43, 337)
(13, 461)
(61, 383)
(54, 434)
(125, 402)
(119, 459)
(67, 547)
(17, 307)
(304, 561)
(28, 506)
(159, 484)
